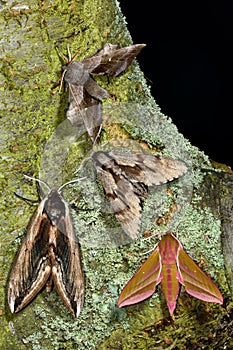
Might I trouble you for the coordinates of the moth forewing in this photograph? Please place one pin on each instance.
(48, 251)
(84, 110)
(125, 178)
(195, 281)
(143, 283)
(171, 169)
(112, 59)
(29, 272)
(67, 270)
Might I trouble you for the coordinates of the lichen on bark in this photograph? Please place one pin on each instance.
(33, 34)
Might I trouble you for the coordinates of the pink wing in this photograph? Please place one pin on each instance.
(142, 285)
(195, 281)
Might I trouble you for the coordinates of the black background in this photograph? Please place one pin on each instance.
(188, 62)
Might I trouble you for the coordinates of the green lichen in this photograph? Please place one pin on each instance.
(31, 113)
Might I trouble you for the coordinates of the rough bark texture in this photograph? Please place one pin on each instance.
(32, 34)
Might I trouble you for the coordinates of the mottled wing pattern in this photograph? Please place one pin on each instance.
(77, 74)
(145, 168)
(84, 111)
(111, 59)
(125, 177)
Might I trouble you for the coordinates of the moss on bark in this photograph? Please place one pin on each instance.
(33, 33)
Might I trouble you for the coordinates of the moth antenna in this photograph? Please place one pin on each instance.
(69, 54)
(148, 251)
(68, 61)
(70, 58)
(154, 235)
(61, 80)
(70, 182)
(38, 180)
(147, 238)
(73, 57)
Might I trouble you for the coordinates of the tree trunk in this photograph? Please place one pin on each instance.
(36, 139)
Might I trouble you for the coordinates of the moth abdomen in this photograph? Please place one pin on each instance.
(140, 189)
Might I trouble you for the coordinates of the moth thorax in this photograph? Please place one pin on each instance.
(55, 207)
(76, 74)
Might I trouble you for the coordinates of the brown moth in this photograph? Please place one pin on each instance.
(84, 93)
(125, 178)
(49, 253)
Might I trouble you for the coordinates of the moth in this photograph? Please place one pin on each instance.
(171, 266)
(49, 253)
(85, 94)
(125, 178)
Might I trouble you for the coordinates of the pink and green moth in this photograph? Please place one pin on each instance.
(169, 265)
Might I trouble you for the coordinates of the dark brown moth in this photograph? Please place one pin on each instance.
(125, 178)
(49, 253)
(85, 94)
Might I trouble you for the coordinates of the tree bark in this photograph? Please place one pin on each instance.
(198, 208)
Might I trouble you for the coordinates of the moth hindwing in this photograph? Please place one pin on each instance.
(48, 253)
(85, 94)
(125, 178)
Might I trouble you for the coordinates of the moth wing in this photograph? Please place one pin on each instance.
(142, 285)
(84, 111)
(95, 90)
(67, 270)
(125, 178)
(31, 268)
(123, 201)
(157, 170)
(74, 112)
(111, 60)
(148, 169)
(195, 281)
(76, 94)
